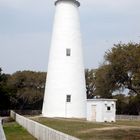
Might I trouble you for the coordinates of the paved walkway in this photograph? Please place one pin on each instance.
(2, 135)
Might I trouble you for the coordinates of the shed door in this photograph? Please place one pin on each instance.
(93, 108)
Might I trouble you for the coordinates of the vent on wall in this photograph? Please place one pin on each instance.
(68, 52)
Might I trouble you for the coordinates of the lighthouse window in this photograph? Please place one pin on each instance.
(68, 52)
(108, 108)
(68, 98)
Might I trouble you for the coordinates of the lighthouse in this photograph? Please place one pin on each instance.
(65, 91)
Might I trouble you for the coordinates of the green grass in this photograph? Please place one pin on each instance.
(88, 130)
(13, 131)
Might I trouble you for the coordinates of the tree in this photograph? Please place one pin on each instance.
(103, 83)
(90, 83)
(27, 89)
(4, 98)
(121, 69)
(122, 106)
(124, 60)
(134, 105)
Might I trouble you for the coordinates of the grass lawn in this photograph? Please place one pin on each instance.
(128, 123)
(13, 131)
(121, 130)
(70, 127)
(117, 134)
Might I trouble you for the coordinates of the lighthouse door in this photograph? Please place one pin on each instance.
(93, 110)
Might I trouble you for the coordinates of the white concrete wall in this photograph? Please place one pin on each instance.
(98, 111)
(65, 73)
(102, 114)
(109, 116)
(89, 114)
(39, 131)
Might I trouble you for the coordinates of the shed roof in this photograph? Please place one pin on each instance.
(101, 99)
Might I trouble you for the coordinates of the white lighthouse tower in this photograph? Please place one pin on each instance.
(65, 92)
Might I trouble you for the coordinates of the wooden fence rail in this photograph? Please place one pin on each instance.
(127, 117)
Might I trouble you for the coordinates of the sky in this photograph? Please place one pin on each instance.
(26, 27)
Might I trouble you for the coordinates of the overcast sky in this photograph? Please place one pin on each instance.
(26, 25)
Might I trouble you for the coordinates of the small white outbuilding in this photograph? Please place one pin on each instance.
(101, 110)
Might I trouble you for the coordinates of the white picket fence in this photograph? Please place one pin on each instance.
(39, 131)
(127, 117)
(2, 134)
